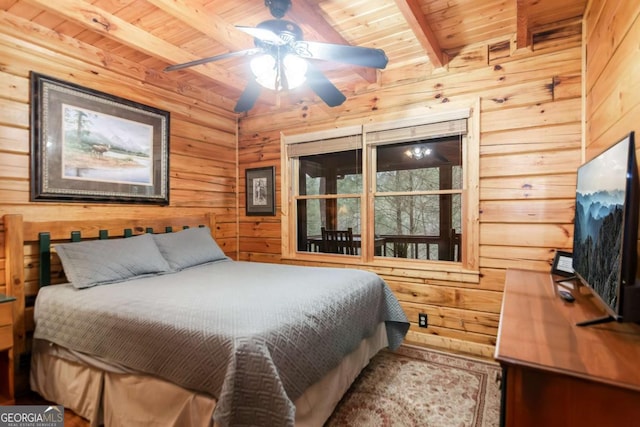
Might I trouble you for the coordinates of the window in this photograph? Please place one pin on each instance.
(400, 187)
(417, 198)
(328, 187)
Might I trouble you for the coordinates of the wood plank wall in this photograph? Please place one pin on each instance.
(612, 82)
(203, 140)
(530, 148)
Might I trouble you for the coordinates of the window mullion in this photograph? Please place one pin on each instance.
(368, 184)
(416, 193)
(328, 196)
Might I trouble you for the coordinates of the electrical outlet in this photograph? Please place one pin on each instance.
(422, 320)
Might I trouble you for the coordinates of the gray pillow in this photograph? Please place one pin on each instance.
(188, 248)
(100, 262)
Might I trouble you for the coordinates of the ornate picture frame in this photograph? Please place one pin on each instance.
(90, 146)
(260, 190)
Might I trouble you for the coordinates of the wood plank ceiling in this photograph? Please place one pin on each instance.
(158, 33)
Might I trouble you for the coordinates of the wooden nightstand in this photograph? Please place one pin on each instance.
(6, 350)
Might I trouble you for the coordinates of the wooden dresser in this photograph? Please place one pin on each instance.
(6, 350)
(560, 374)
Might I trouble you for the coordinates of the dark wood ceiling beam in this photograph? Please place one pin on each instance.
(309, 12)
(523, 32)
(108, 25)
(412, 12)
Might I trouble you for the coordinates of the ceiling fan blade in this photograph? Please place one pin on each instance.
(263, 34)
(356, 55)
(245, 52)
(326, 90)
(248, 97)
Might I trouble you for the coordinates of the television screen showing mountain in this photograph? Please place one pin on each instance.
(600, 197)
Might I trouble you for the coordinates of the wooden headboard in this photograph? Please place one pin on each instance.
(28, 264)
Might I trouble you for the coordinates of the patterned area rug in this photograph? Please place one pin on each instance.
(422, 388)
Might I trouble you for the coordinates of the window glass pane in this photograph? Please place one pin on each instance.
(409, 180)
(456, 214)
(408, 215)
(419, 227)
(456, 173)
(420, 165)
(309, 216)
(332, 173)
(338, 214)
(348, 214)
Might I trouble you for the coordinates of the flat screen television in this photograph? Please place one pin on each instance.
(605, 254)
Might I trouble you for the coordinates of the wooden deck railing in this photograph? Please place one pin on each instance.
(403, 246)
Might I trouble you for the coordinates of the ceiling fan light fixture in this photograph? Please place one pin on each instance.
(417, 152)
(265, 69)
(279, 59)
(295, 69)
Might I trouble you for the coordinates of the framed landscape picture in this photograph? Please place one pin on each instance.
(89, 146)
(261, 195)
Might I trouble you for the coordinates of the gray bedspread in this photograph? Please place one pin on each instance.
(252, 335)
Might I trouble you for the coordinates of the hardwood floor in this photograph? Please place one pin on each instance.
(70, 418)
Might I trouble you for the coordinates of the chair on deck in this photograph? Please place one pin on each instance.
(338, 241)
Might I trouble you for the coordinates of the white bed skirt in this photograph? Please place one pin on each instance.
(109, 395)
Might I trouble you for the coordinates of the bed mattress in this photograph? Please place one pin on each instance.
(254, 336)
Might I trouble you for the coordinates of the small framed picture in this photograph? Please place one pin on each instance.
(261, 193)
(563, 264)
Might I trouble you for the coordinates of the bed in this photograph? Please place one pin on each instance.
(161, 328)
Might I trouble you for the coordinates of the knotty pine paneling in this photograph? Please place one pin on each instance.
(527, 211)
(536, 235)
(524, 257)
(542, 163)
(452, 318)
(535, 115)
(533, 139)
(530, 148)
(520, 94)
(612, 84)
(14, 113)
(541, 187)
(203, 165)
(13, 139)
(447, 296)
